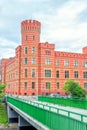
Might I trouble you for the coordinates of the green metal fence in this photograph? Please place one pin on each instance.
(66, 102)
(45, 114)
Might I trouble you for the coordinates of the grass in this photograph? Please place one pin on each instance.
(3, 114)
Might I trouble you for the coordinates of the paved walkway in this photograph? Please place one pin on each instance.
(76, 113)
(12, 126)
(8, 128)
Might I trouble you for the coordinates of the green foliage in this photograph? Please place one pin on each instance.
(2, 86)
(74, 89)
(3, 114)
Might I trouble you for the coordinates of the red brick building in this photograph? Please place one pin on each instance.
(38, 69)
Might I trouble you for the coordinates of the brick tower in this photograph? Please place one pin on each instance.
(30, 32)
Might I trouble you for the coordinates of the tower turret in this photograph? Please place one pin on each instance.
(85, 50)
(30, 31)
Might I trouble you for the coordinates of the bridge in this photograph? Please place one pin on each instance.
(38, 115)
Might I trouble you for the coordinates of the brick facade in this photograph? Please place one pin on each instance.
(38, 69)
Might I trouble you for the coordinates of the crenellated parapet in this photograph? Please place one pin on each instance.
(30, 25)
(70, 54)
(30, 32)
(46, 45)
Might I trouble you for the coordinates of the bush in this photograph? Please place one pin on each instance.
(74, 89)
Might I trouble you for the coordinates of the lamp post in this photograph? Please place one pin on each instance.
(43, 88)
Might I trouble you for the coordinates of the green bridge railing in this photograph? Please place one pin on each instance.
(50, 116)
(66, 102)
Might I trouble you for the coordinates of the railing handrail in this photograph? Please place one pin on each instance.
(49, 108)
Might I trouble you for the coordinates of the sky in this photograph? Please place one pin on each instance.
(63, 22)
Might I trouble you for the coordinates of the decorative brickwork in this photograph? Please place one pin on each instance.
(38, 69)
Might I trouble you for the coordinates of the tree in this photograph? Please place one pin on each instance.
(2, 87)
(74, 89)
(3, 112)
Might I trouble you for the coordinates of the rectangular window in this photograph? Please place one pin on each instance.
(26, 50)
(33, 50)
(66, 74)
(57, 85)
(85, 85)
(85, 64)
(66, 63)
(33, 72)
(26, 37)
(26, 60)
(48, 85)
(47, 52)
(25, 85)
(57, 74)
(76, 63)
(57, 62)
(33, 37)
(33, 60)
(48, 73)
(85, 75)
(26, 73)
(47, 61)
(75, 74)
(33, 85)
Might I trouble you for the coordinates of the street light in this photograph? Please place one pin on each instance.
(43, 88)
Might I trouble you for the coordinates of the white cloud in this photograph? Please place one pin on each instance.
(7, 53)
(7, 48)
(7, 43)
(63, 25)
(69, 12)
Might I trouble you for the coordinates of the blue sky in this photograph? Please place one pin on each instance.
(64, 23)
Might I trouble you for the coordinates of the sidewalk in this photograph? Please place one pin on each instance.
(12, 126)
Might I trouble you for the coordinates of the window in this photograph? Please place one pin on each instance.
(85, 85)
(33, 60)
(48, 73)
(25, 93)
(26, 50)
(48, 85)
(47, 61)
(33, 85)
(25, 85)
(33, 94)
(57, 62)
(76, 63)
(26, 37)
(85, 75)
(47, 52)
(33, 50)
(75, 74)
(57, 74)
(33, 37)
(33, 72)
(66, 63)
(26, 60)
(66, 74)
(26, 72)
(85, 64)
(57, 85)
